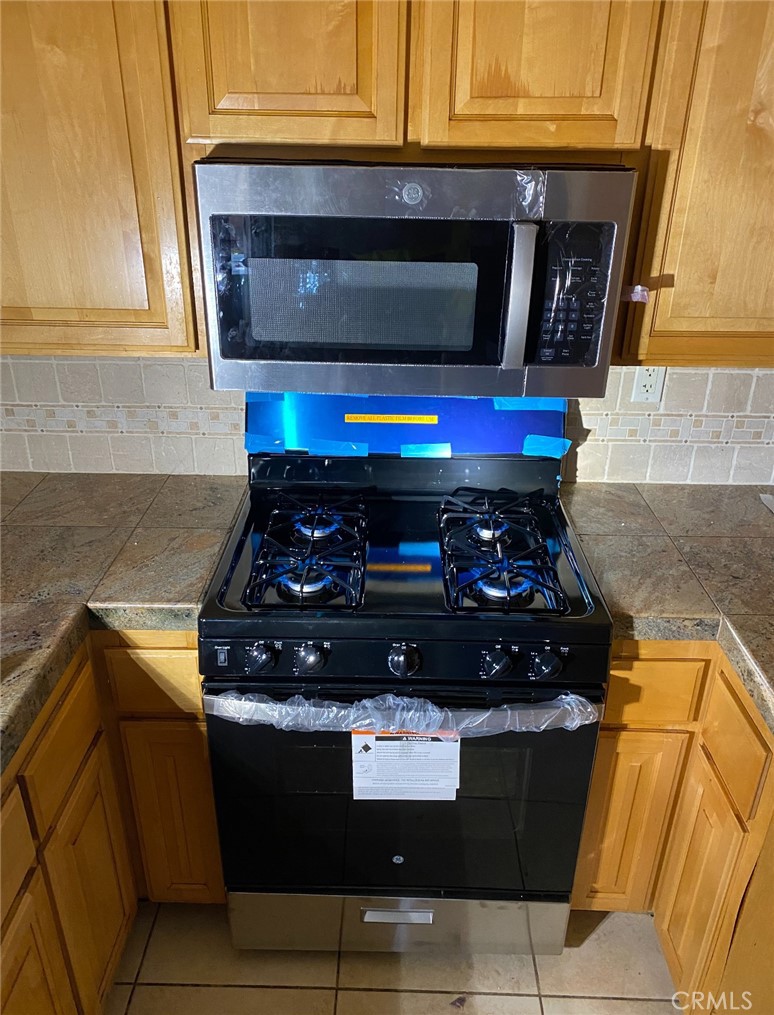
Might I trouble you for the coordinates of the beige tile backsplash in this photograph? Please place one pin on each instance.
(131, 415)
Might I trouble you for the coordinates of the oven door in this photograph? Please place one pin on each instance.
(288, 822)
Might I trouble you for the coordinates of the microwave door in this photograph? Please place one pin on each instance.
(519, 288)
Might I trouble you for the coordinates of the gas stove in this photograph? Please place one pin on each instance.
(382, 571)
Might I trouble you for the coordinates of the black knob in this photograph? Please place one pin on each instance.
(547, 665)
(404, 660)
(259, 657)
(496, 664)
(310, 658)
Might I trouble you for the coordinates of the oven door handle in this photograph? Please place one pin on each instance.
(424, 916)
(519, 288)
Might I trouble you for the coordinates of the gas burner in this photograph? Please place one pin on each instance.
(494, 554)
(316, 525)
(311, 553)
(491, 528)
(505, 586)
(312, 584)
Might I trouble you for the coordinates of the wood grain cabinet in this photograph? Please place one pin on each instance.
(34, 975)
(511, 73)
(706, 250)
(93, 242)
(636, 779)
(88, 867)
(311, 71)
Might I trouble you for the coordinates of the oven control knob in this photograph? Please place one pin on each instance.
(259, 657)
(404, 660)
(495, 664)
(310, 658)
(546, 665)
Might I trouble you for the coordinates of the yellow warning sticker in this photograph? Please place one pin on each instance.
(407, 568)
(368, 417)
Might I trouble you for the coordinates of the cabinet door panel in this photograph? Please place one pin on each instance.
(169, 772)
(705, 842)
(636, 775)
(509, 72)
(90, 190)
(91, 882)
(34, 976)
(707, 252)
(308, 71)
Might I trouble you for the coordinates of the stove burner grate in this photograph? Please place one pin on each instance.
(495, 556)
(312, 553)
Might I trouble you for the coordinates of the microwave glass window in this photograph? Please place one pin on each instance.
(360, 290)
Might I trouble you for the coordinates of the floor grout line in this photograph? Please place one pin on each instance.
(142, 958)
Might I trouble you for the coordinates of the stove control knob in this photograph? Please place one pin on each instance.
(495, 664)
(310, 658)
(404, 660)
(546, 665)
(257, 658)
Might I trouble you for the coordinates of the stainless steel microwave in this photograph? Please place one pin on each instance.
(385, 279)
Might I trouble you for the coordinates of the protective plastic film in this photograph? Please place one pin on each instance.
(392, 714)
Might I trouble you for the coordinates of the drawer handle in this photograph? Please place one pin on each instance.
(396, 915)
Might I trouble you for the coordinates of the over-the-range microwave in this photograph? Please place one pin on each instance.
(388, 279)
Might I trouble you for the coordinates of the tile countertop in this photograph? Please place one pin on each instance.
(135, 552)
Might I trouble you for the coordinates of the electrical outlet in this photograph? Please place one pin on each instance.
(648, 384)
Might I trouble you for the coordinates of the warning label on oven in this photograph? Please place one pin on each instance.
(404, 766)
(374, 417)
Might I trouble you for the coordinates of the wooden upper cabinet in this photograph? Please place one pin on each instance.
(509, 73)
(306, 72)
(708, 255)
(91, 250)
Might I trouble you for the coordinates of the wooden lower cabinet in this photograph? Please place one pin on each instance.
(169, 774)
(34, 975)
(636, 778)
(88, 868)
(705, 843)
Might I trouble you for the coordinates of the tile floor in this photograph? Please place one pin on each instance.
(179, 961)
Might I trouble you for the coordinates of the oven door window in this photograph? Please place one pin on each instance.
(348, 290)
(288, 821)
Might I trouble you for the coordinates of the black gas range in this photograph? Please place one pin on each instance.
(457, 584)
(379, 570)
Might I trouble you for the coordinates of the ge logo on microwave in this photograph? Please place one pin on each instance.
(412, 193)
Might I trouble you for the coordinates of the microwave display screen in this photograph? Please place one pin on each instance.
(354, 290)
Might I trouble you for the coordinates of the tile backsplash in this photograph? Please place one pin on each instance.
(133, 415)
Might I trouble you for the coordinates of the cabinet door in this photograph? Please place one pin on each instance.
(91, 249)
(705, 842)
(34, 975)
(169, 773)
(507, 73)
(707, 254)
(636, 775)
(311, 71)
(87, 863)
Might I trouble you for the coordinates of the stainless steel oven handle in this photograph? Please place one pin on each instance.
(396, 916)
(517, 313)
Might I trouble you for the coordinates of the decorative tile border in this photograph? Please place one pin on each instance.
(135, 415)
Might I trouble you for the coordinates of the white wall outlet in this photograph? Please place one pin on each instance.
(648, 384)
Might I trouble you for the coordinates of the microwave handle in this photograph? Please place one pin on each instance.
(519, 289)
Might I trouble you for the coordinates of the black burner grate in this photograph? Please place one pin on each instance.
(312, 553)
(494, 555)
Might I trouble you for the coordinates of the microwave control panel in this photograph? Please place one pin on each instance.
(572, 267)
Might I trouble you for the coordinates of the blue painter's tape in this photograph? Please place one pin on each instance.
(545, 447)
(531, 404)
(342, 449)
(263, 442)
(425, 451)
(418, 549)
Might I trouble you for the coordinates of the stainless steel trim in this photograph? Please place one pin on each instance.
(271, 921)
(396, 916)
(517, 313)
